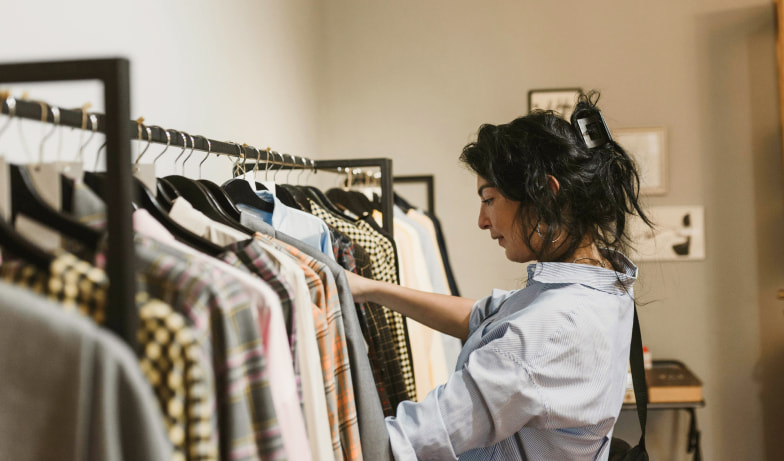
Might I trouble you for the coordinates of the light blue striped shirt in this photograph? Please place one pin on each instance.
(541, 376)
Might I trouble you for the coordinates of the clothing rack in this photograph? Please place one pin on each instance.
(121, 313)
(429, 182)
(77, 118)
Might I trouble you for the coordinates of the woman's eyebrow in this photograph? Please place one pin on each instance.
(486, 186)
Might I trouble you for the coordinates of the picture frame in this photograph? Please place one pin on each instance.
(560, 100)
(648, 148)
(678, 234)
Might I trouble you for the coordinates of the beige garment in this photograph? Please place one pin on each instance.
(427, 351)
(420, 218)
(184, 214)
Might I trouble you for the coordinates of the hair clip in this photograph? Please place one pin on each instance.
(594, 130)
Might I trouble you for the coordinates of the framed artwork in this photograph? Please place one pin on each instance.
(678, 235)
(648, 148)
(560, 100)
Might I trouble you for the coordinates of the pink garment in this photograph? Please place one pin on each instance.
(273, 331)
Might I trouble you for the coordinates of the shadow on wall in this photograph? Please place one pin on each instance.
(742, 167)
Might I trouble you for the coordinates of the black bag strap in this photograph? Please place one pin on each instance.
(638, 377)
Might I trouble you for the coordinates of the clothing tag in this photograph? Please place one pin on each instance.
(46, 179)
(145, 172)
(42, 236)
(73, 170)
(5, 190)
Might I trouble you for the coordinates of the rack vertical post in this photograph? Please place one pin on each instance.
(121, 315)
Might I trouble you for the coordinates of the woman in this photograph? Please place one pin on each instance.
(543, 369)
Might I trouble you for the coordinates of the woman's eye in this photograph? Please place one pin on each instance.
(487, 201)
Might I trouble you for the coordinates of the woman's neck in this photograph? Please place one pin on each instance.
(588, 253)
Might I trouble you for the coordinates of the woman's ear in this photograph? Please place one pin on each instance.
(553, 184)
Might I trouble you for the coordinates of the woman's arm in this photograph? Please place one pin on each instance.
(447, 314)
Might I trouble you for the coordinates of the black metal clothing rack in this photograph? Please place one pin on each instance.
(121, 313)
(429, 182)
(120, 130)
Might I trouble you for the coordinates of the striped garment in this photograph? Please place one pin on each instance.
(332, 342)
(223, 318)
(541, 376)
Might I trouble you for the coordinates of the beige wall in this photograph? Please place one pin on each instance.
(413, 80)
(243, 71)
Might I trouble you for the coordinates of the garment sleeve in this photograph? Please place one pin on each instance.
(488, 400)
(486, 307)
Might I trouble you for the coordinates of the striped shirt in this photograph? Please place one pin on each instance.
(541, 376)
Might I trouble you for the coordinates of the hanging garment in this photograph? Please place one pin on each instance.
(374, 437)
(77, 389)
(297, 223)
(271, 264)
(383, 258)
(77, 285)
(375, 330)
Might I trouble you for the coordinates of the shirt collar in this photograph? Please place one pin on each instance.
(595, 277)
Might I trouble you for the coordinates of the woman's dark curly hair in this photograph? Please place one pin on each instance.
(599, 187)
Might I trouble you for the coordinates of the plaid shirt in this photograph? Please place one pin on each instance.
(383, 260)
(223, 318)
(251, 256)
(168, 356)
(333, 343)
(378, 336)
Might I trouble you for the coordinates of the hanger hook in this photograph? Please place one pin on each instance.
(209, 150)
(243, 158)
(10, 102)
(236, 166)
(93, 119)
(256, 165)
(193, 147)
(302, 170)
(184, 148)
(168, 143)
(56, 119)
(148, 130)
(288, 173)
(280, 166)
(267, 163)
(98, 156)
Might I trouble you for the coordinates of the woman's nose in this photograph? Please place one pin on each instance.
(483, 222)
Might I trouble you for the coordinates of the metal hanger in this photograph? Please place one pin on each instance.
(241, 193)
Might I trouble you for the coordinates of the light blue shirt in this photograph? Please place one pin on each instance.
(541, 376)
(296, 223)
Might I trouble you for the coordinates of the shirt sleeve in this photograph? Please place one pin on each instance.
(488, 400)
(486, 307)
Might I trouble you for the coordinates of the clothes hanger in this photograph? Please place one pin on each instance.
(68, 184)
(241, 193)
(322, 200)
(283, 194)
(145, 199)
(164, 193)
(26, 200)
(220, 196)
(296, 193)
(200, 198)
(12, 241)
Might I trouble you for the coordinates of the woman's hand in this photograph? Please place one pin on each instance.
(448, 314)
(360, 286)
